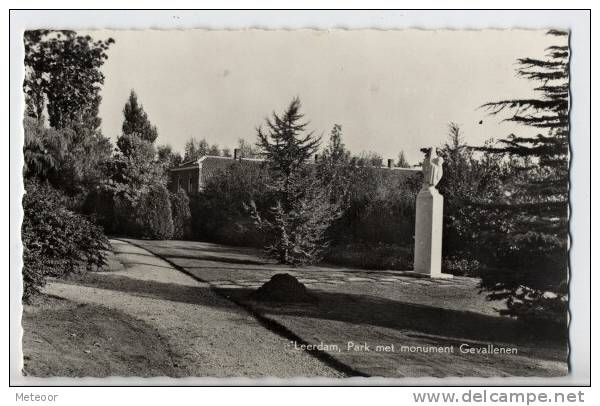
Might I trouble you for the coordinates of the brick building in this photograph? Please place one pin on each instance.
(192, 176)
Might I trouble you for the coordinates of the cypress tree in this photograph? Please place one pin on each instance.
(136, 120)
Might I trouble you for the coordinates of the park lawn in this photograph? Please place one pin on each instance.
(346, 319)
(142, 317)
(64, 338)
(383, 308)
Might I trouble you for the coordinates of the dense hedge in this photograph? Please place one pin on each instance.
(152, 215)
(56, 241)
(220, 214)
(148, 216)
(380, 209)
(379, 212)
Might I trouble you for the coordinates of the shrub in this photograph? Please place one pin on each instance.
(151, 218)
(298, 234)
(380, 208)
(181, 214)
(71, 160)
(148, 215)
(372, 256)
(218, 213)
(100, 206)
(56, 241)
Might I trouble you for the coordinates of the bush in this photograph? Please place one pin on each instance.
(461, 266)
(72, 161)
(218, 213)
(297, 231)
(151, 218)
(380, 209)
(100, 206)
(147, 216)
(56, 241)
(525, 268)
(181, 214)
(372, 256)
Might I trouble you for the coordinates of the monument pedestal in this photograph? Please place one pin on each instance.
(428, 233)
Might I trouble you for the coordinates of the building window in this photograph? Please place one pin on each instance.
(190, 185)
(178, 182)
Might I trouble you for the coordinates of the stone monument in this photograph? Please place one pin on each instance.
(429, 220)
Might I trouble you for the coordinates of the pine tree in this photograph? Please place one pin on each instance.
(283, 142)
(136, 120)
(526, 233)
(302, 212)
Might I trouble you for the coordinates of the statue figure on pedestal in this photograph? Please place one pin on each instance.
(429, 220)
(432, 169)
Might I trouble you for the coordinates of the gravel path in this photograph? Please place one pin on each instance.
(209, 336)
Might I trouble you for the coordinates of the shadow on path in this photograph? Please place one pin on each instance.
(408, 318)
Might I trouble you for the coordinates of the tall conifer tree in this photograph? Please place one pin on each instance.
(303, 210)
(136, 120)
(525, 237)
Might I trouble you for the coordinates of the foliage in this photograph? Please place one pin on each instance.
(303, 209)
(152, 216)
(70, 159)
(181, 214)
(218, 213)
(377, 205)
(136, 120)
(44, 149)
(63, 76)
(368, 158)
(56, 241)
(334, 168)
(167, 157)
(284, 143)
(195, 149)
(135, 165)
(372, 256)
(468, 182)
(247, 149)
(298, 225)
(525, 239)
(214, 150)
(380, 207)
(402, 162)
(133, 198)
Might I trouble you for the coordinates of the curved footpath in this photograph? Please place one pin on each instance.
(208, 335)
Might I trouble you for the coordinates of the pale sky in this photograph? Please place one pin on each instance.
(390, 90)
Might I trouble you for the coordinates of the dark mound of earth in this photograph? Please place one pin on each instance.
(283, 288)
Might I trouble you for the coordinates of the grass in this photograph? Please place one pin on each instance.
(408, 311)
(65, 338)
(344, 318)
